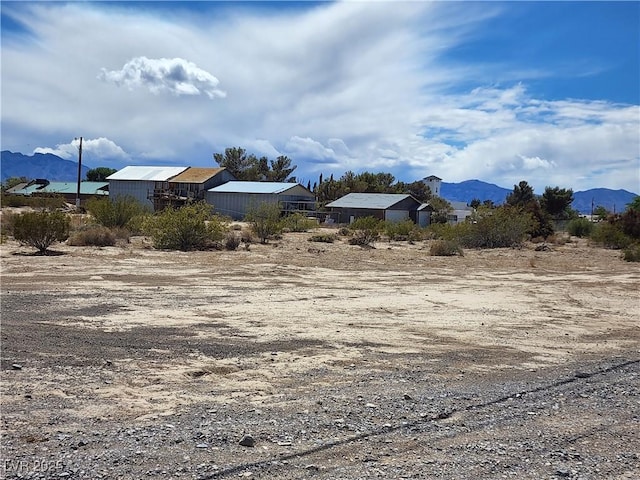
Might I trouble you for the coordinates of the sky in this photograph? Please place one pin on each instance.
(546, 92)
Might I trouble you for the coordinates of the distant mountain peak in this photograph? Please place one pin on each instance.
(39, 165)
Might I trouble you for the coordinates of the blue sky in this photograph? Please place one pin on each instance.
(547, 92)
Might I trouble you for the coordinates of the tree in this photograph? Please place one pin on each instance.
(475, 203)
(521, 196)
(41, 229)
(248, 167)
(634, 204)
(418, 189)
(265, 220)
(556, 202)
(238, 163)
(100, 174)
(441, 210)
(600, 212)
(281, 170)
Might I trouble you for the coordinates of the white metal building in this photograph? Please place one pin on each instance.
(235, 199)
(140, 182)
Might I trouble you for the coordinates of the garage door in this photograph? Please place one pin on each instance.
(396, 215)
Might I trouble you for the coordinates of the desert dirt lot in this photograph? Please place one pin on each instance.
(339, 362)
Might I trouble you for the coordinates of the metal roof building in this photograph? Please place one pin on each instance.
(235, 199)
(188, 186)
(393, 207)
(140, 182)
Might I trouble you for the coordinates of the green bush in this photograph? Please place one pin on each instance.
(298, 223)
(324, 238)
(610, 235)
(265, 220)
(44, 201)
(402, 231)
(632, 253)
(500, 227)
(41, 229)
(124, 211)
(580, 227)
(191, 227)
(93, 235)
(366, 230)
(445, 248)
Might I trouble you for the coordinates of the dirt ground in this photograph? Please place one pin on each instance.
(337, 361)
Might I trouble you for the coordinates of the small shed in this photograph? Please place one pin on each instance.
(392, 207)
(140, 182)
(423, 215)
(460, 212)
(235, 199)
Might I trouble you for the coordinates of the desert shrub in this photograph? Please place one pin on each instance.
(232, 240)
(124, 211)
(580, 227)
(631, 253)
(500, 227)
(6, 223)
(366, 230)
(265, 221)
(298, 223)
(401, 231)
(45, 201)
(41, 229)
(191, 227)
(344, 232)
(443, 231)
(445, 248)
(323, 237)
(558, 239)
(92, 235)
(630, 223)
(609, 234)
(121, 233)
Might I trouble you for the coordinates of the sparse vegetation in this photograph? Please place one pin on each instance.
(265, 221)
(298, 223)
(445, 248)
(41, 229)
(191, 227)
(323, 237)
(402, 231)
(609, 234)
(580, 227)
(366, 231)
(92, 235)
(124, 212)
(41, 201)
(632, 253)
(232, 240)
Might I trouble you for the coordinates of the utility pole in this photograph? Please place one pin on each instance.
(79, 175)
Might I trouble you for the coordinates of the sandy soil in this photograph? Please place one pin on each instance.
(127, 336)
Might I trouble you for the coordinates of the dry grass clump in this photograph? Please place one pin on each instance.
(445, 248)
(323, 237)
(92, 235)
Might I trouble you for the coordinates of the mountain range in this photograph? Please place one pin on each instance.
(54, 168)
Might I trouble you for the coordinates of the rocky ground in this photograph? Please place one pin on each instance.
(297, 360)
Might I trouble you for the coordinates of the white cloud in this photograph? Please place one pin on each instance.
(335, 86)
(93, 149)
(173, 75)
